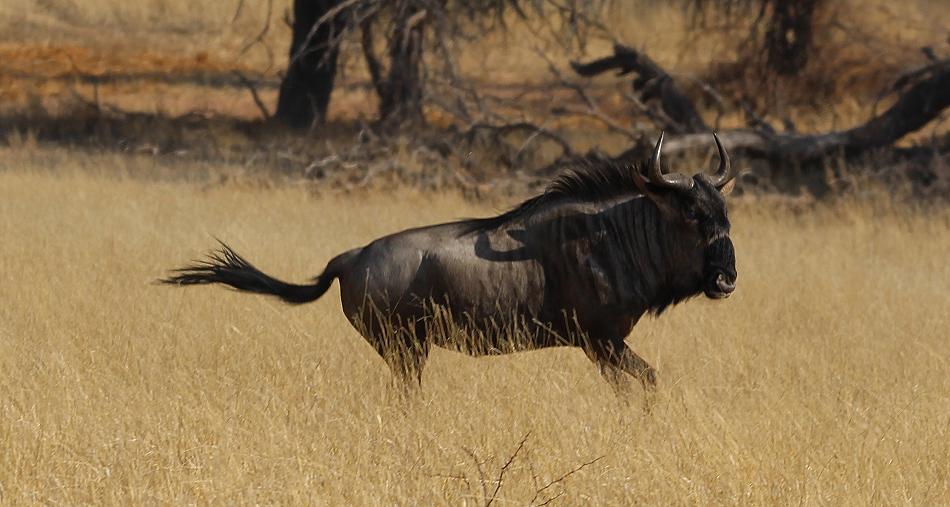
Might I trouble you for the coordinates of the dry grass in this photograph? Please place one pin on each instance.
(825, 380)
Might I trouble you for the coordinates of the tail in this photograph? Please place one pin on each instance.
(227, 267)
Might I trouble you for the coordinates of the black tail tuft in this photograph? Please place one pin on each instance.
(227, 267)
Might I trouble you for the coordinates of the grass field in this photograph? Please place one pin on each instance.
(824, 380)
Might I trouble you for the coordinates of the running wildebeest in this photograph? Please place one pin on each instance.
(577, 265)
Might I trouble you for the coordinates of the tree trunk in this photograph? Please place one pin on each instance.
(305, 89)
(402, 100)
(789, 34)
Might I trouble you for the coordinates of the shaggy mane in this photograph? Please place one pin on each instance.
(585, 181)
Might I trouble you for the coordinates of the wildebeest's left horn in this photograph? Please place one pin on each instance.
(726, 172)
(674, 180)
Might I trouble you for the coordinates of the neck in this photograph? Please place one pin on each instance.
(642, 241)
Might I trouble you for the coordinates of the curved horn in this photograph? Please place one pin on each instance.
(674, 180)
(726, 172)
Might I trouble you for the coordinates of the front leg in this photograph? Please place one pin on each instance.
(635, 365)
(614, 358)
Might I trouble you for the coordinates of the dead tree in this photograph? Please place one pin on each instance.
(782, 30)
(922, 95)
(676, 114)
(401, 90)
(923, 98)
(306, 87)
(411, 29)
(788, 36)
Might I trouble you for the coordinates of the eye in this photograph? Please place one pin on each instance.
(691, 213)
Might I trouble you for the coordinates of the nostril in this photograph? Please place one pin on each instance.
(724, 285)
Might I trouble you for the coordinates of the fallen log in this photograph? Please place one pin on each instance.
(653, 84)
(922, 97)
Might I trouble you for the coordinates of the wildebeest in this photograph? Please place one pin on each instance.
(577, 265)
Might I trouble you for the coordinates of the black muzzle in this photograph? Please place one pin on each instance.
(719, 273)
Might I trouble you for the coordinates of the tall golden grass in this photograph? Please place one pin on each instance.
(824, 380)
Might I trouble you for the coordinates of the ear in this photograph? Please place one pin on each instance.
(658, 199)
(727, 188)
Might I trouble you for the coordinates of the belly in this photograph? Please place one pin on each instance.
(502, 333)
(489, 308)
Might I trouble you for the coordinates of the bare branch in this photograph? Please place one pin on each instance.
(592, 110)
(562, 478)
(265, 114)
(330, 14)
(535, 131)
(237, 11)
(260, 36)
(482, 478)
(504, 468)
(553, 498)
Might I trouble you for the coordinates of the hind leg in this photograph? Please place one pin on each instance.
(406, 362)
(399, 340)
(404, 348)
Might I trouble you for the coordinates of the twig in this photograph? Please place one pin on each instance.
(451, 69)
(562, 478)
(327, 16)
(263, 32)
(504, 468)
(481, 471)
(535, 130)
(755, 120)
(253, 89)
(91, 104)
(237, 11)
(657, 116)
(711, 92)
(553, 498)
(592, 110)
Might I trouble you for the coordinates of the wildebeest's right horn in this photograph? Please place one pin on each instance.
(726, 172)
(674, 180)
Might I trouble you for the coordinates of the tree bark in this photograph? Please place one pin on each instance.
(306, 87)
(788, 36)
(401, 100)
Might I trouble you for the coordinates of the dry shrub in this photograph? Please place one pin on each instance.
(858, 48)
